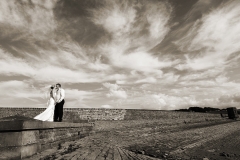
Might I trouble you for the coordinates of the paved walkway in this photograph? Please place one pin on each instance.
(184, 141)
(89, 149)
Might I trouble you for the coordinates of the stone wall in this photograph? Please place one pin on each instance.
(28, 112)
(69, 114)
(22, 136)
(77, 114)
(133, 114)
(94, 113)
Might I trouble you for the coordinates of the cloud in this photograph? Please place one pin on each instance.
(79, 98)
(140, 61)
(221, 79)
(214, 37)
(133, 33)
(12, 65)
(169, 102)
(117, 94)
(106, 106)
(207, 74)
(65, 60)
(22, 94)
(115, 91)
(230, 98)
(98, 65)
(115, 17)
(134, 49)
(158, 101)
(205, 83)
(79, 95)
(111, 86)
(32, 17)
(147, 80)
(19, 89)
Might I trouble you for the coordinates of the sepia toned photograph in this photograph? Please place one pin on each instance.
(119, 79)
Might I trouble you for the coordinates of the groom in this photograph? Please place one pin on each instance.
(59, 99)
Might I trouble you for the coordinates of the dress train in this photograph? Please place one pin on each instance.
(48, 114)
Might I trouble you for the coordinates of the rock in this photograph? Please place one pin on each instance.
(59, 146)
(151, 155)
(158, 151)
(211, 150)
(163, 156)
(224, 154)
(205, 159)
(141, 152)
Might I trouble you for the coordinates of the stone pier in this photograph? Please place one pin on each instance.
(22, 137)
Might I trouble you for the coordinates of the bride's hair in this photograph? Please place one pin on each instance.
(52, 86)
(51, 90)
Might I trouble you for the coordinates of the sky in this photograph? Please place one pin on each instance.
(131, 54)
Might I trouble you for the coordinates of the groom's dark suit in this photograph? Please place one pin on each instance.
(58, 112)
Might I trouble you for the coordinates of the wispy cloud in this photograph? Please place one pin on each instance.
(214, 37)
(31, 17)
(133, 35)
(11, 65)
(142, 53)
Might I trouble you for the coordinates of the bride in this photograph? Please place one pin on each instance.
(48, 114)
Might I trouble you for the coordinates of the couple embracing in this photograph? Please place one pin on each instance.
(54, 110)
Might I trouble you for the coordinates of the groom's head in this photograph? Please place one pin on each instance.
(58, 85)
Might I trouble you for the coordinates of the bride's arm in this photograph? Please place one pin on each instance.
(54, 94)
(48, 99)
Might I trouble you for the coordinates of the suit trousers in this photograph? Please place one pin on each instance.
(58, 112)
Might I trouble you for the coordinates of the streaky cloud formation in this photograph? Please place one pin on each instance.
(215, 35)
(140, 54)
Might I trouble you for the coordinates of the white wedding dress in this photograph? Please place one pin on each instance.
(48, 114)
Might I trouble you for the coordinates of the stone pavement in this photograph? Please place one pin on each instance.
(105, 153)
(89, 148)
(143, 142)
(108, 152)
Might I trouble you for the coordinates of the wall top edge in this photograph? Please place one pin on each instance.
(83, 108)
